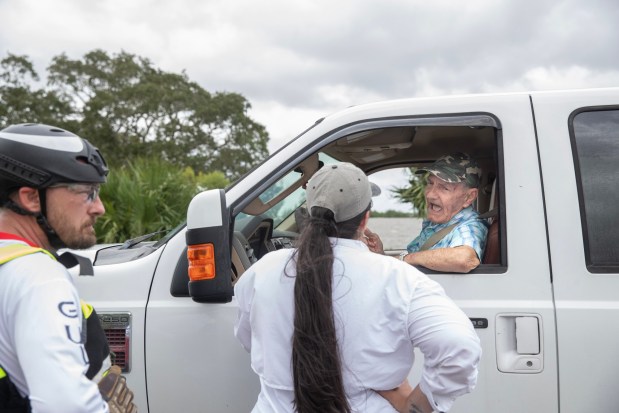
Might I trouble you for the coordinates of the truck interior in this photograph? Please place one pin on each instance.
(271, 220)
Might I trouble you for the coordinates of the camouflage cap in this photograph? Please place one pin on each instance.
(454, 168)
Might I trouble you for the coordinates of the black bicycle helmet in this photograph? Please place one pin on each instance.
(39, 156)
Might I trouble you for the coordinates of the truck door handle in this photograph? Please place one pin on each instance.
(527, 335)
(519, 343)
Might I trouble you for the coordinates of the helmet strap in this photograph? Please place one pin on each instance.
(52, 236)
(12, 205)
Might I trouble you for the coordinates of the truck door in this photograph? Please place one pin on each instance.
(510, 303)
(579, 153)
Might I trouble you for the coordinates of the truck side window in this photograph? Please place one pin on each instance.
(595, 141)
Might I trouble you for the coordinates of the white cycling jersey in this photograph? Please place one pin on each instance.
(41, 340)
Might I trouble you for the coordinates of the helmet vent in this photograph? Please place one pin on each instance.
(96, 160)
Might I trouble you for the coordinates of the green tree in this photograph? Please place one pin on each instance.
(165, 137)
(390, 213)
(129, 108)
(414, 193)
(19, 102)
(203, 181)
(149, 195)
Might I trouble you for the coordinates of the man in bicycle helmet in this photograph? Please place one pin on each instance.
(53, 351)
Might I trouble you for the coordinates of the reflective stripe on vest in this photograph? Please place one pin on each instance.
(12, 251)
(87, 309)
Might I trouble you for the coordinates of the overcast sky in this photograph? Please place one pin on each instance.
(296, 61)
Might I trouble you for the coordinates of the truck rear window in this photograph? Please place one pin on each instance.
(596, 152)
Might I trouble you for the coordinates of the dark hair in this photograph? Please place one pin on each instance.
(316, 364)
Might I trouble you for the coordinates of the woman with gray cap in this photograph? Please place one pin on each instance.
(331, 326)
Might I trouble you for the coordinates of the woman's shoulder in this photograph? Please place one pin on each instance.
(272, 262)
(277, 256)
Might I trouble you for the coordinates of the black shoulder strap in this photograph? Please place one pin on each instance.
(69, 259)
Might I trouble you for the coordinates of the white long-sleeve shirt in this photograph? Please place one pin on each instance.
(383, 309)
(40, 336)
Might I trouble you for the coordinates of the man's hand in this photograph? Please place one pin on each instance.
(373, 241)
(113, 388)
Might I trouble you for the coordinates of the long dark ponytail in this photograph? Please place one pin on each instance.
(316, 364)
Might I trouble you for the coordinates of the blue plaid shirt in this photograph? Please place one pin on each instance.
(471, 230)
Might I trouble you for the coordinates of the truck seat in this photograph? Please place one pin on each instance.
(492, 253)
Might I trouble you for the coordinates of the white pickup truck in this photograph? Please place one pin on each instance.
(545, 301)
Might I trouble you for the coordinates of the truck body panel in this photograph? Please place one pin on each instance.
(544, 311)
(587, 304)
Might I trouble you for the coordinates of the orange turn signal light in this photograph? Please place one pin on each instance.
(201, 262)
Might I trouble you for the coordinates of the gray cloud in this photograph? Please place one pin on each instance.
(299, 60)
(402, 48)
(322, 55)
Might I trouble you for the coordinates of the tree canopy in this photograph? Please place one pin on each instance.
(128, 108)
(164, 136)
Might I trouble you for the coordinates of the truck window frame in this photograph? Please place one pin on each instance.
(472, 120)
(585, 219)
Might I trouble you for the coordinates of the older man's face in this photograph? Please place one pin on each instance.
(445, 199)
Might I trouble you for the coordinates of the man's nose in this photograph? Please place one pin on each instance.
(97, 208)
(429, 191)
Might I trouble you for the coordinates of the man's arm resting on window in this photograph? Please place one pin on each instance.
(460, 259)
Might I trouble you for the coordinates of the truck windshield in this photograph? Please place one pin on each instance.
(283, 209)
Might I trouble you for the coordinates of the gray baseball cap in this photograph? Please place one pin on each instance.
(342, 188)
(454, 168)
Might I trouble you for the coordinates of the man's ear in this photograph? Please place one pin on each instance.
(471, 194)
(28, 199)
